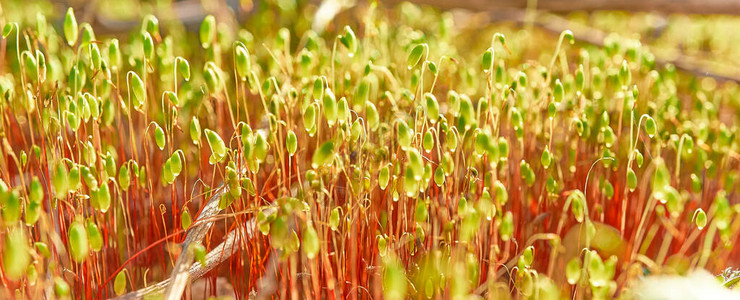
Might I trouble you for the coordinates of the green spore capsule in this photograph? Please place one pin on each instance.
(242, 62)
(323, 155)
(183, 67)
(148, 45)
(507, 226)
(650, 127)
(159, 137)
(700, 218)
(428, 141)
(546, 158)
(558, 91)
(78, 241)
(384, 177)
(207, 31)
(218, 147)
(291, 142)
(405, 134)
(119, 285)
(415, 55)
(94, 236)
(139, 91)
(88, 35)
(631, 180)
(311, 244)
(15, 254)
(373, 118)
(70, 27)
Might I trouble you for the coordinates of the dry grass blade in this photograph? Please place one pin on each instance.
(184, 270)
(180, 275)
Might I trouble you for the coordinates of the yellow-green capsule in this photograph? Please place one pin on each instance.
(199, 252)
(650, 127)
(577, 205)
(357, 131)
(195, 130)
(114, 54)
(42, 249)
(421, 214)
(639, 159)
(41, 25)
(428, 141)
(410, 182)
(439, 176)
(150, 24)
(61, 287)
(432, 107)
(309, 117)
(558, 91)
(373, 118)
(104, 199)
(349, 40)
(661, 180)
(330, 107)
(32, 274)
(8, 28)
(11, 210)
(580, 78)
(78, 242)
(700, 218)
(323, 155)
(507, 226)
(29, 61)
(218, 147)
(148, 45)
(318, 88)
(211, 79)
(631, 180)
(119, 285)
(185, 219)
(242, 62)
(310, 241)
(15, 254)
(404, 133)
(625, 75)
(94, 236)
(41, 63)
(36, 191)
(88, 35)
(384, 177)
(137, 86)
(487, 60)
(334, 218)
(416, 163)
(291, 142)
(33, 212)
(573, 270)
(261, 146)
(183, 67)
(394, 281)
(176, 163)
(207, 31)
(60, 181)
(546, 158)
(342, 110)
(362, 94)
(415, 55)
(159, 137)
(124, 178)
(70, 27)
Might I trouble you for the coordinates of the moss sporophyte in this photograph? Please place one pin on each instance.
(396, 155)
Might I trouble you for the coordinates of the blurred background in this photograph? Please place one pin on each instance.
(697, 36)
